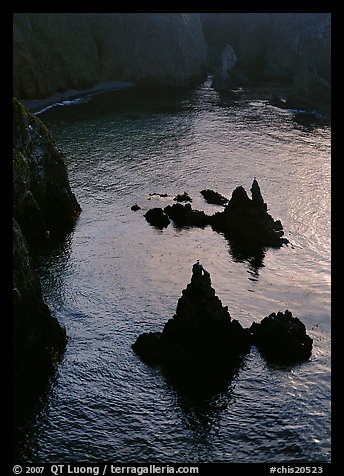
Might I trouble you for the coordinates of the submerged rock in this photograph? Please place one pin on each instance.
(282, 338)
(248, 221)
(214, 198)
(201, 334)
(157, 217)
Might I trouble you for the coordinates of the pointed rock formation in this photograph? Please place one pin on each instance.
(200, 334)
(243, 220)
(247, 220)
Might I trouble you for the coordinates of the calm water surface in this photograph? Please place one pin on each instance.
(116, 276)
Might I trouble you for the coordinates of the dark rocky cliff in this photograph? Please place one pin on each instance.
(43, 203)
(43, 206)
(37, 336)
(271, 44)
(57, 51)
(291, 47)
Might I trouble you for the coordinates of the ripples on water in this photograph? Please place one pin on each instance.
(115, 277)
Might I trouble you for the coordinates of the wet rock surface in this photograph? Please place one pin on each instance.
(282, 338)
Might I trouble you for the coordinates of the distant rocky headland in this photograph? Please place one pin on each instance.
(56, 52)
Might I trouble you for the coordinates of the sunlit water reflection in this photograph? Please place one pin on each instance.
(116, 276)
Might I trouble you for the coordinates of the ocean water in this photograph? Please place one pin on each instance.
(115, 276)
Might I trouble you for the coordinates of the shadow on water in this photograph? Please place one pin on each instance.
(203, 394)
(32, 392)
(309, 121)
(252, 255)
(34, 378)
(133, 103)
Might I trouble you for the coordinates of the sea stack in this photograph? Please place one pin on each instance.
(247, 221)
(201, 334)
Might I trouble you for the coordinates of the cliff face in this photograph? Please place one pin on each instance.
(275, 44)
(38, 337)
(57, 51)
(43, 202)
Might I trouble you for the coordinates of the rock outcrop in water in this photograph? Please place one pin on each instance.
(309, 92)
(244, 220)
(184, 215)
(201, 334)
(215, 198)
(43, 203)
(58, 51)
(157, 217)
(282, 338)
(247, 221)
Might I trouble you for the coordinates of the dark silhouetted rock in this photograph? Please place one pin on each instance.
(248, 221)
(282, 338)
(244, 220)
(157, 217)
(135, 207)
(210, 196)
(37, 336)
(201, 334)
(154, 194)
(184, 215)
(95, 47)
(42, 197)
(184, 197)
(309, 91)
